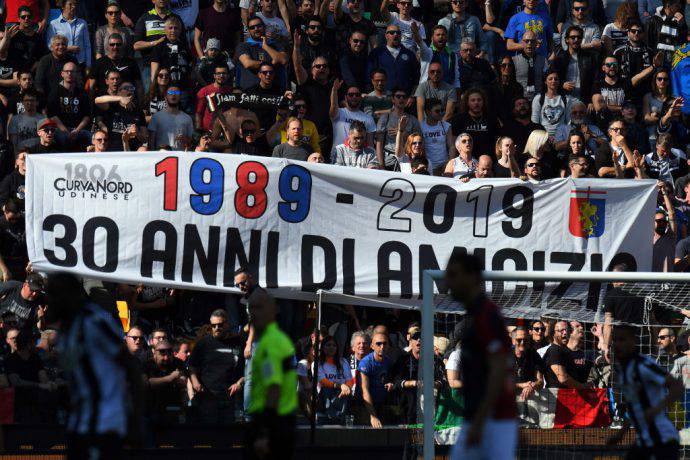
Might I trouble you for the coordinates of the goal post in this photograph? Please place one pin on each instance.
(530, 294)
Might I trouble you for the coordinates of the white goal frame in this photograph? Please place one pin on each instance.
(428, 307)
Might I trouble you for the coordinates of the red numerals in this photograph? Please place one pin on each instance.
(250, 198)
(168, 167)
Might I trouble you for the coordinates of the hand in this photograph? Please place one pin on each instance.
(402, 123)
(620, 139)
(678, 17)
(91, 148)
(174, 375)
(331, 7)
(654, 116)
(661, 186)
(12, 30)
(126, 102)
(126, 21)
(638, 159)
(261, 446)
(658, 59)
(73, 134)
(474, 433)
(42, 26)
(6, 276)
(607, 355)
(410, 102)
(41, 312)
(196, 385)
(526, 392)
(389, 387)
(297, 39)
(568, 86)
(160, 40)
(337, 83)
(234, 388)
(375, 422)
(465, 179)
(248, 351)
(289, 95)
(345, 391)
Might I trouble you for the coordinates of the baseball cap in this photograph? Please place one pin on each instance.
(46, 123)
(212, 43)
(35, 282)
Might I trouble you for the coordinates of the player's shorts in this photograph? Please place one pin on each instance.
(499, 440)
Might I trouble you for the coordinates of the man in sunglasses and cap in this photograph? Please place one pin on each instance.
(22, 299)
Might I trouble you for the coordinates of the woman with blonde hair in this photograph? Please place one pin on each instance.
(506, 165)
(413, 148)
(539, 147)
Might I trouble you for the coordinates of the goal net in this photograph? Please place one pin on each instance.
(561, 422)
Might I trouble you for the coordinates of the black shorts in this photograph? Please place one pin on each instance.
(280, 431)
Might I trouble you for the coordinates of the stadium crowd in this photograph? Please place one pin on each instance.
(467, 89)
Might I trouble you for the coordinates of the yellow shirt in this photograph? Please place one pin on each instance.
(310, 135)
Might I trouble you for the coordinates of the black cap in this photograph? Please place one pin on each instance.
(35, 282)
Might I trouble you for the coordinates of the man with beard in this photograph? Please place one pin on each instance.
(664, 248)
(267, 87)
(167, 382)
(559, 366)
(353, 21)
(216, 370)
(171, 126)
(476, 119)
(114, 59)
(578, 122)
(256, 50)
(521, 125)
(490, 427)
(400, 63)
(313, 45)
(120, 115)
(353, 61)
(438, 52)
(576, 67)
(612, 87)
(316, 88)
(342, 117)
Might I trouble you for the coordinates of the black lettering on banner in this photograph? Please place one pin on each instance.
(64, 242)
(524, 212)
(112, 242)
(166, 256)
(236, 256)
(596, 264)
(398, 190)
(538, 265)
(272, 248)
(498, 263)
(193, 248)
(482, 203)
(576, 260)
(450, 196)
(428, 261)
(386, 274)
(309, 242)
(349, 266)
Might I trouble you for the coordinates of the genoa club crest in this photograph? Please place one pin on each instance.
(587, 212)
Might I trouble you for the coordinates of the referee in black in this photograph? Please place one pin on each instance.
(647, 391)
(104, 378)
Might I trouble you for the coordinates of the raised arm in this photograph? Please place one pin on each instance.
(334, 110)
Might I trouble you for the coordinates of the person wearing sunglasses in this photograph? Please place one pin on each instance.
(168, 382)
(115, 58)
(21, 128)
(403, 21)
(248, 139)
(268, 86)
(220, 85)
(25, 45)
(120, 115)
(533, 18)
(174, 54)
(576, 66)
(113, 25)
(171, 126)
(376, 382)
(667, 29)
(401, 63)
(436, 87)
(343, 117)
(257, 49)
(459, 24)
(216, 368)
(350, 20)
(527, 366)
(353, 60)
(393, 128)
(312, 43)
(591, 32)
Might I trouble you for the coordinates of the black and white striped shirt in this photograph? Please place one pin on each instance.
(643, 385)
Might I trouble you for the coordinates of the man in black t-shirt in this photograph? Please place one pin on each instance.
(70, 107)
(620, 306)
(114, 60)
(174, 54)
(22, 299)
(26, 45)
(612, 87)
(560, 370)
(167, 379)
(217, 371)
(528, 364)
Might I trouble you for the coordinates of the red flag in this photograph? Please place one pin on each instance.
(6, 406)
(582, 408)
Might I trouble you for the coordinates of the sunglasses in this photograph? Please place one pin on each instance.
(539, 329)
(49, 130)
(532, 165)
(354, 94)
(217, 325)
(663, 337)
(392, 32)
(529, 41)
(300, 106)
(575, 37)
(661, 79)
(380, 344)
(635, 31)
(579, 8)
(112, 13)
(611, 64)
(243, 283)
(100, 139)
(267, 72)
(174, 92)
(506, 64)
(357, 41)
(136, 337)
(25, 16)
(660, 221)
(617, 130)
(399, 96)
(246, 132)
(256, 26)
(115, 45)
(319, 66)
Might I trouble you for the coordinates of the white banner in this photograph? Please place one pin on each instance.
(189, 220)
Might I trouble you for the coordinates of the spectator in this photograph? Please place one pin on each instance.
(267, 87)
(528, 365)
(113, 16)
(672, 122)
(460, 24)
(578, 166)
(354, 152)
(353, 60)
(168, 382)
(616, 150)
(26, 82)
(293, 148)
(473, 72)
(464, 165)
(576, 67)
(539, 148)
(70, 107)
(257, 49)
(75, 29)
(343, 118)
(136, 343)
(376, 379)
(213, 57)
(120, 117)
(529, 66)
(653, 102)
(13, 241)
(149, 32)
(620, 306)
(667, 29)
(22, 46)
(580, 17)
(438, 52)
(532, 172)
(335, 383)
(313, 44)
(560, 370)
(400, 63)
(506, 88)
(391, 126)
(171, 126)
(477, 120)
(592, 135)
(181, 350)
(552, 107)
(380, 100)
(174, 54)
(316, 88)
(115, 59)
(637, 61)
(666, 163)
(506, 163)
(411, 151)
(360, 344)
(99, 142)
(49, 69)
(404, 22)
(220, 21)
(217, 371)
(667, 352)
(353, 21)
(21, 298)
(435, 87)
(520, 126)
(276, 29)
(581, 357)
(614, 34)
(484, 169)
(248, 141)
(438, 137)
(681, 368)
(664, 249)
(612, 87)
(46, 134)
(636, 134)
(22, 128)
(310, 135)
(532, 19)
(204, 116)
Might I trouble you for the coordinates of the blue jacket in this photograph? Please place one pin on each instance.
(402, 71)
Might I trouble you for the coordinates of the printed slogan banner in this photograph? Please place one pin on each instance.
(190, 220)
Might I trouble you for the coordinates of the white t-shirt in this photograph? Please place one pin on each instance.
(453, 363)
(406, 30)
(274, 24)
(341, 125)
(330, 371)
(435, 143)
